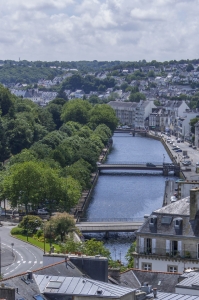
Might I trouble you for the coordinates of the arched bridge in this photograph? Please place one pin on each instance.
(155, 166)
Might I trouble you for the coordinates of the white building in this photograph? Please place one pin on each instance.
(168, 240)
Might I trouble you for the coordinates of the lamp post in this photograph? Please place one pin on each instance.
(163, 158)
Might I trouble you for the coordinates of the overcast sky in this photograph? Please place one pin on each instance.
(99, 29)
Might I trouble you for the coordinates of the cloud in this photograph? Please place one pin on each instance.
(99, 29)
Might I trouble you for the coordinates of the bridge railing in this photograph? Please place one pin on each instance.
(139, 219)
(137, 163)
(131, 163)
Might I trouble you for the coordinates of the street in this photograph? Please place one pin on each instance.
(25, 256)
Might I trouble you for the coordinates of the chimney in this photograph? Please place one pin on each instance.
(7, 293)
(194, 203)
(29, 275)
(114, 273)
(155, 292)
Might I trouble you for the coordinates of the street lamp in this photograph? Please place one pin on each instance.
(163, 158)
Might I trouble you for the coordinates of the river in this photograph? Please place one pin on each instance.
(127, 194)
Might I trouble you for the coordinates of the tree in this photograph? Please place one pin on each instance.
(22, 184)
(136, 97)
(62, 224)
(103, 114)
(31, 223)
(4, 147)
(192, 123)
(77, 111)
(129, 255)
(70, 192)
(92, 247)
(190, 68)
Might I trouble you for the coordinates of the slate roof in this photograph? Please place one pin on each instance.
(190, 281)
(78, 286)
(136, 278)
(176, 209)
(27, 291)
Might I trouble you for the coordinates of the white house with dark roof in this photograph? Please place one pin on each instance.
(168, 240)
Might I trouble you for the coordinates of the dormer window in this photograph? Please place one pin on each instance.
(152, 220)
(177, 223)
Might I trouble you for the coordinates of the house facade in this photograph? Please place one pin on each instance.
(169, 238)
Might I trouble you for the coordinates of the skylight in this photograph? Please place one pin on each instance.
(54, 285)
(166, 220)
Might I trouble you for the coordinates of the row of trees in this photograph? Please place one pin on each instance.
(52, 151)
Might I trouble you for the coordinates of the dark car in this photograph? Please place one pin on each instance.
(179, 150)
(190, 145)
(150, 165)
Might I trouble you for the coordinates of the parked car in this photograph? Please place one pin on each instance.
(150, 165)
(194, 147)
(197, 164)
(175, 148)
(186, 163)
(178, 150)
(185, 156)
(173, 199)
(190, 145)
(42, 211)
(179, 180)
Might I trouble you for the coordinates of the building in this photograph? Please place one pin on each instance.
(63, 280)
(132, 114)
(197, 134)
(183, 124)
(168, 240)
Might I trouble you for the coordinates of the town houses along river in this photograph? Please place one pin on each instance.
(127, 194)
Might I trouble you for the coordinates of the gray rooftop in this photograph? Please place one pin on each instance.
(136, 278)
(166, 217)
(78, 286)
(191, 280)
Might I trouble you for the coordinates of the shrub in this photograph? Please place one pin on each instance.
(17, 231)
(39, 233)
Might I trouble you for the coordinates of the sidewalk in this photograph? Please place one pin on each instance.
(7, 257)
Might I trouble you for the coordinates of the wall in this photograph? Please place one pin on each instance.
(161, 265)
(187, 291)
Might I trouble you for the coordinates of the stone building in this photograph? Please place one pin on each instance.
(168, 240)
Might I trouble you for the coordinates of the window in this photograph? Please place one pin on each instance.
(146, 266)
(148, 246)
(173, 269)
(174, 247)
(38, 297)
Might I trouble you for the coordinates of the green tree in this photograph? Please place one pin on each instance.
(192, 124)
(92, 247)
(22, 184)
(77, 111)
(103, 114)
(129, 255)
(190, 68)
(62, 224)
(70, 192)
(136, 97)
(31, 223)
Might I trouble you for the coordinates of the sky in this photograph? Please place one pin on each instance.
(71, 30)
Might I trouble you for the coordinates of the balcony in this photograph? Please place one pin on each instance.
(163, 253)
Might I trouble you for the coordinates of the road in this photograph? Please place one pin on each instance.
(26, 257)
(192, 153)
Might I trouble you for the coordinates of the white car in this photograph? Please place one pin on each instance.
(42, 211)
(173, 199)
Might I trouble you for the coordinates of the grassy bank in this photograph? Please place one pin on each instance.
(37, 243)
